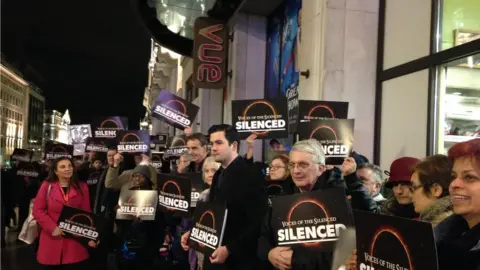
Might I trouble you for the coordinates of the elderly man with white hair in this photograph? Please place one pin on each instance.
(309, 173)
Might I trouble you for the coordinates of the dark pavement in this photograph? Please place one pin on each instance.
(17, 255)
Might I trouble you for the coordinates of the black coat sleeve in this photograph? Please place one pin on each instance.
(307, 259)
(265, 241)
(361, 198)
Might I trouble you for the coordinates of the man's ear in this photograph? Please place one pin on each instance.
(235, 146)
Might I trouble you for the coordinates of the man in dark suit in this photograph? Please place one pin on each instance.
(240, 188)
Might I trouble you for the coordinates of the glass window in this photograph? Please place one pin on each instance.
(459, 102)
(460, 22)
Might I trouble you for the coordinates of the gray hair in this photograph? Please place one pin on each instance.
(312, 147)
(376, 170)
(209, 161)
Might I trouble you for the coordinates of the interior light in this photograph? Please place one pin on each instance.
(457, 93)
(470, 61)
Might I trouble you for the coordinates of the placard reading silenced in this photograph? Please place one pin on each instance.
(209, 225)
(336, 137)
(266, 118)
(198, 186)
(140, 204)
(174, 110)
(23, 155)
(96, 145)
(79, 224)
(56, 150)
(106, 127)
(319, 109)
(393, 243)
(312, 219)
(28, 169)
(178, 146)
(174, 194)
(133, 141)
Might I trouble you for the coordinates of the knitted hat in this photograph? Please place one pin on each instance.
(401, 171)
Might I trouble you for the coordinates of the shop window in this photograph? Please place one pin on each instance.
(459, 102)
(460, 22)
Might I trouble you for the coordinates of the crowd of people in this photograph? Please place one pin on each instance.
(441, 190)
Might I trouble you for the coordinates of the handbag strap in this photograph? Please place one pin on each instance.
(48, 194)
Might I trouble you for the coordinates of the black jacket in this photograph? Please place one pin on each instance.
(361, 198)
(458, 246)
(303, 258)
(243, 193)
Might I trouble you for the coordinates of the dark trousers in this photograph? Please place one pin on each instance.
(73, 266)
(23, 211)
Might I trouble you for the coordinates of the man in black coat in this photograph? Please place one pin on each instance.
(240, 187)
(307, 167)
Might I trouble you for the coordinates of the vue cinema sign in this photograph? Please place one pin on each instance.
(210, 53)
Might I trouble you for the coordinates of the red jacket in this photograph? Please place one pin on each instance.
(58, 250)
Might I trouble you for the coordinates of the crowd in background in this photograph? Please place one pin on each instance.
(441, 190)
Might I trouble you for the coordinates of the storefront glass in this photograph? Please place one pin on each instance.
(459, 102)
(459, 22)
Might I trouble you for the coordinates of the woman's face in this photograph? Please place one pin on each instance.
(278, 170)
(138, 179)
(64, 169)
(420, 200)
(208, 172)
(402, 192)
(465, 188)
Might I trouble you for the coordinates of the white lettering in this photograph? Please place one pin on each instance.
(261, 125)
(172, 115)
(173, 203)
(132, 148)
(106, 133)
(147, 211)
(321, 233)
(78, 230)
(335, 149)
(204, 237)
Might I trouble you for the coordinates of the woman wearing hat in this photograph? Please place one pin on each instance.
(401, 204)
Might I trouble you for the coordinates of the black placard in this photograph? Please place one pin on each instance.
(177, 146)
(133, 141)
(106, 127)
(80, 225)
(198, 186)
(336, 137)
(93, 177)
(56, 150)
(97, 145)
(320, 109)
(266, 118)
(156, 160)
(274, 188)
(140, 204)
(312, 219)
(28, 169)
(209, 224)
(174, 194)
(174, 110)
(388, 242)
(23, 155)
(293, 110)
(157, 141)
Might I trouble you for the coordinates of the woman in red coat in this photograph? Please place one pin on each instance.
(54, 250)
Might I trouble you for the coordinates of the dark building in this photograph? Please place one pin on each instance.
(36, 111)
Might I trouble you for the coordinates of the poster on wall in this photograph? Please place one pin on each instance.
(174, 110)
(210, 53)
(387, 242)
(106, 127)
(289, 72)
(272, 73)
(336, 137)
(266, 118)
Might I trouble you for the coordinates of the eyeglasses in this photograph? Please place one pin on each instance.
(415, 187)
(301, 165)
(274, 168)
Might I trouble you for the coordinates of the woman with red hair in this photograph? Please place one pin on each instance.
(458, 236)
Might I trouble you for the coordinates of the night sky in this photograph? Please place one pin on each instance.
(91, 56)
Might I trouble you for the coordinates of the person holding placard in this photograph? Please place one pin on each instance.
(60, 188)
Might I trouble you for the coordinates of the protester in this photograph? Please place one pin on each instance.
(307, 167)
(60, 188)
(458, 236)
(372, 177)
(430, 181)
(278, 169)
(197, 148)
(401, 204)
(210, 167)
(140, 238)
(183, 163)
(240, 188)
(118, 181)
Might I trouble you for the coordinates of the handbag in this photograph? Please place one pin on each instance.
(30, 229)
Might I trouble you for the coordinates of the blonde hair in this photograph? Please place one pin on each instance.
(209, 161)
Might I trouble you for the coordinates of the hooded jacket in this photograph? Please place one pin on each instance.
(302, 258)
(124, 180)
